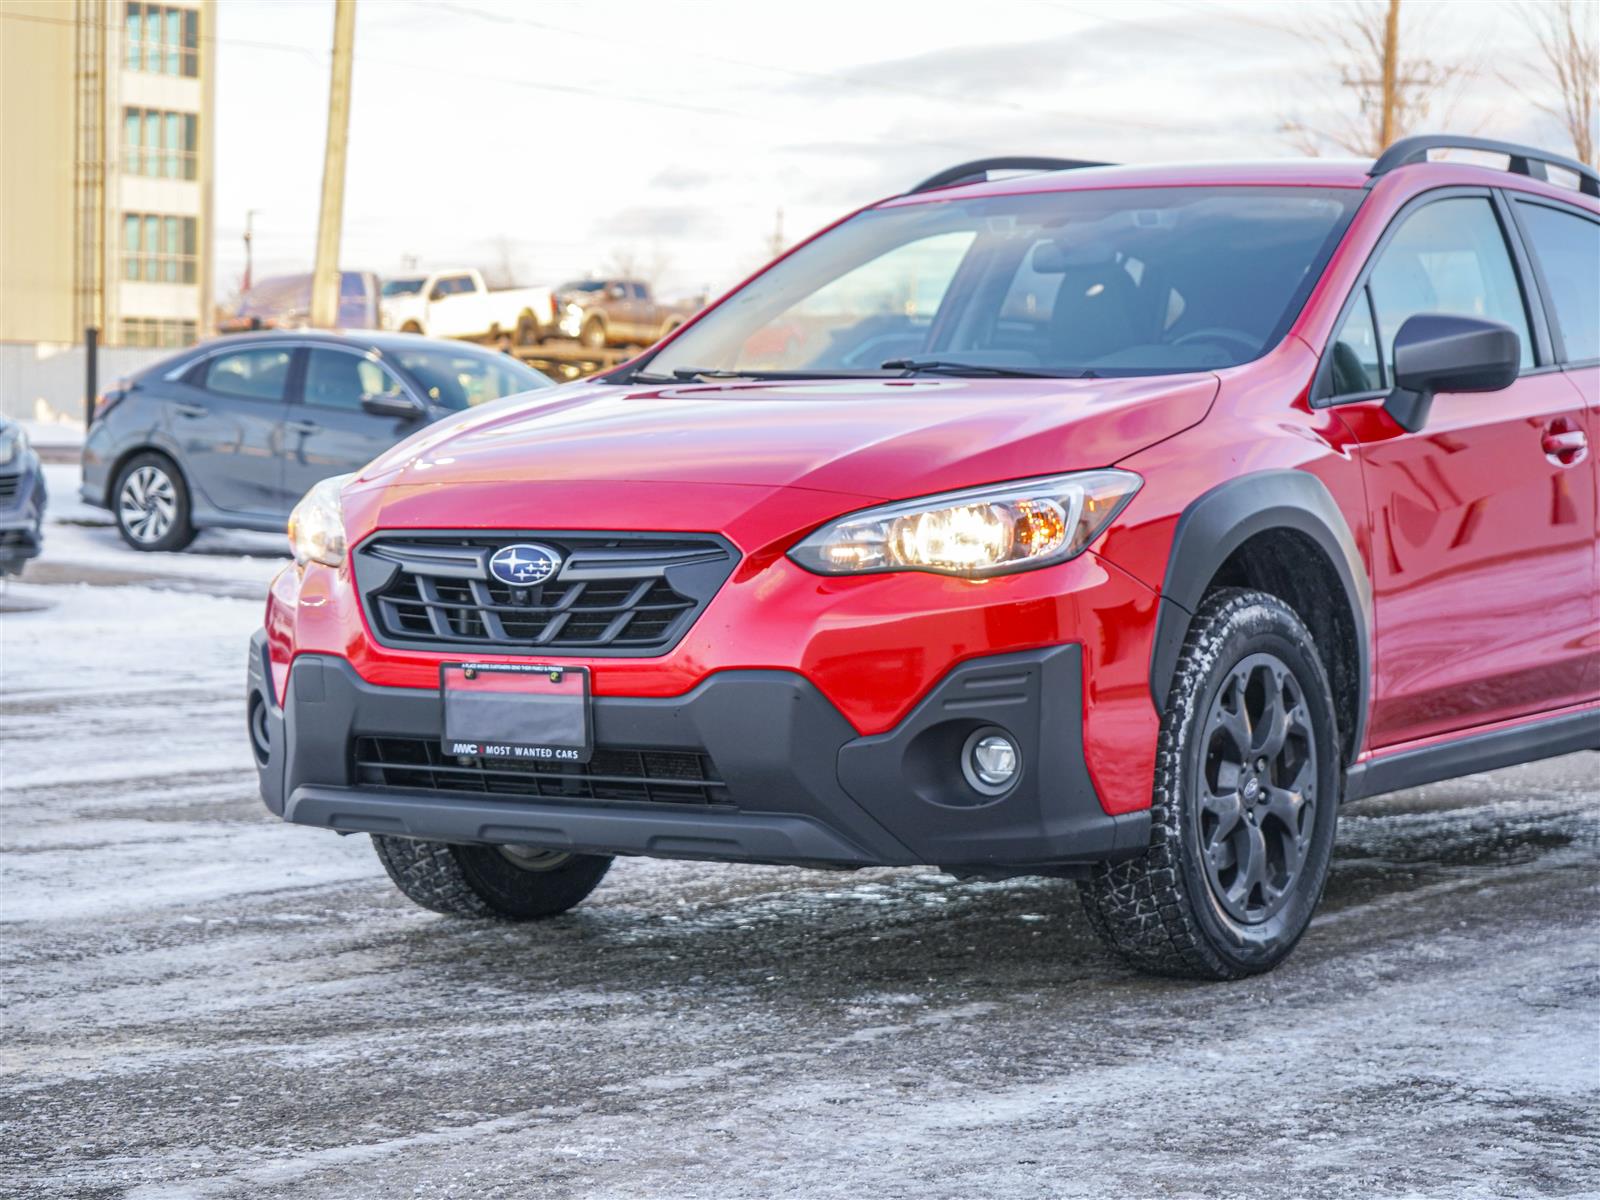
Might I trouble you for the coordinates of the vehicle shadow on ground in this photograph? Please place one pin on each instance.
(893, 932)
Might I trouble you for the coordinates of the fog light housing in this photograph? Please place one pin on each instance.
(991, 760)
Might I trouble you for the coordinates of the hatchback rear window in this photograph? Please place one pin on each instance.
(1117, 281)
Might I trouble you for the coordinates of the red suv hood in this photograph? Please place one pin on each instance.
(887, 439)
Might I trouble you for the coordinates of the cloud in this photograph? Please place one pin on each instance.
(647, 221)
(678, 178)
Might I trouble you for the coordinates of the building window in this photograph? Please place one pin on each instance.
(158, 249)
(162, 144)
(163, 39)
(157, 331)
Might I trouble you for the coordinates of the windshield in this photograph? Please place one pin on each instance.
(403, 287)
(582, 285)
(1123, 281)
(458, 379)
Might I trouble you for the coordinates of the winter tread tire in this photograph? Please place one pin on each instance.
(479, 881)
(1157, 912)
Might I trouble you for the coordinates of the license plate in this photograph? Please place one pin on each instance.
(534, 713)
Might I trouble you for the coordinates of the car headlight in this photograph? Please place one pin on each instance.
(975, 533)
(316, 526)
(13, 444)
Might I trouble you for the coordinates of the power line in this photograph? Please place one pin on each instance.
(965, 101)
(573, 89)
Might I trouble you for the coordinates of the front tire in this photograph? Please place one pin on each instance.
(593, 334)
(1245, 802)
(511, 883)
(151, 504)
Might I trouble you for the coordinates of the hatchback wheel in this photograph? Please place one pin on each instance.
(152, 504)
(1246, 799)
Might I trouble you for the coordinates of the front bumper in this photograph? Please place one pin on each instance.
(804, 787)
(21, 517)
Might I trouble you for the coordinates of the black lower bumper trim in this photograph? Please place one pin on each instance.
(801, 786)
(666, 833)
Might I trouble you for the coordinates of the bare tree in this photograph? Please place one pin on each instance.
(629, 262)
(1569, 42)
(1394, 92)
(506, 268)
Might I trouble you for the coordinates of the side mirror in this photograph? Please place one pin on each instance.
(616, 291)
(1434, 352)
(436, 294)
(393, 405)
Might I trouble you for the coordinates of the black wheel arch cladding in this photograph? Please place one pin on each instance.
(1297, 507)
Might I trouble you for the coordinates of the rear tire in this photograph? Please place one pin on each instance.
(151, 504)
(1243, 811)
(511, 883)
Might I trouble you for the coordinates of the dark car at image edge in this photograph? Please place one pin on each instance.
(1111, 523)
(22, 499)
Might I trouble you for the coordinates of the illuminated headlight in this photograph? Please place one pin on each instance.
(316, 526)
(978, 532)
(13, 444)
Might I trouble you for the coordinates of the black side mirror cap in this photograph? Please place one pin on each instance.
(393, 406)
(1436, 352)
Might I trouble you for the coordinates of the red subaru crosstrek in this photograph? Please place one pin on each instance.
(1113, 523)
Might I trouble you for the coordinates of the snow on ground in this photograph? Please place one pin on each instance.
(78, 535)
(199, 1001)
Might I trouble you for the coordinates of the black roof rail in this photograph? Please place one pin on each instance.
(978, 170)
(1524, 160)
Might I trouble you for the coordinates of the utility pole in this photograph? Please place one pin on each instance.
(1391, 70)
(249, 259)
(775, 242)
(325, 274)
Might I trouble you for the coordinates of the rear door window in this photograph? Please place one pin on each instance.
(1448, 257)
(257, 374)
(1568, 249)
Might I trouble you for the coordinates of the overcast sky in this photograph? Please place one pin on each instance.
(558, 136)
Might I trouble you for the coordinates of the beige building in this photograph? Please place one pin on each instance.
(106, 134)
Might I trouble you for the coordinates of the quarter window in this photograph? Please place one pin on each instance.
(1448, 257)
(1355, 367)
(1568, 249)
(258, 374)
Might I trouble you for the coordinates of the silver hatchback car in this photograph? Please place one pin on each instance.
(231, 433)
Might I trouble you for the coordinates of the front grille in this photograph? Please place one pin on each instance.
(632, 593)
(645, 775)
(10, 485)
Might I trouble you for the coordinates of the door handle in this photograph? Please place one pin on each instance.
(191, 410)
(302, 426)
(1566, 446)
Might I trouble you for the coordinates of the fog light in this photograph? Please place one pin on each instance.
(991, 760)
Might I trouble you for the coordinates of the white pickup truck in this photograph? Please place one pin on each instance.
(456, 304)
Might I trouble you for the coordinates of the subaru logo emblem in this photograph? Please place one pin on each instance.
(524, 565)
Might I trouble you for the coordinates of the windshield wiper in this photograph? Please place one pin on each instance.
(935, 366)
(709, 373)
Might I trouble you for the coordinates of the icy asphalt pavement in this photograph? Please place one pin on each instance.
(196, 1001)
